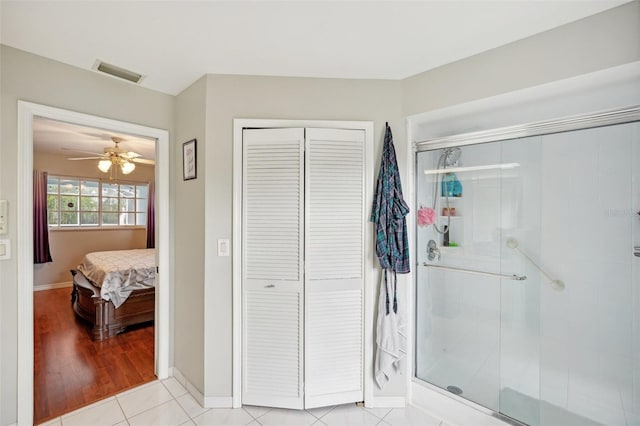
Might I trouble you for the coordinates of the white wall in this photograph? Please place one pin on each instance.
(69, 246)
(230, 97)
(594, 43)
(24, 76)
(188, 298)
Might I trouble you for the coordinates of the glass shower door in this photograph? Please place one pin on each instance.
(561, 347)
(458, 311)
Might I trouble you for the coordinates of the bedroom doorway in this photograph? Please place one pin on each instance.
(27, 113)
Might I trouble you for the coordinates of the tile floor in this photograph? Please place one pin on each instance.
(167, 403)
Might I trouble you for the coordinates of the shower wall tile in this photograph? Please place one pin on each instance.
(615, 168)
(555, 395)
(554, 371)
(555, 323)
(614, 310)
(594, 410)
(632, 419)
(582, 289)
(591, 377)
(485, 384)
(629, 399)
(634, 390)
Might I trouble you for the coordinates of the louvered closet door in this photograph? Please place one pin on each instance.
(334, 285)
(273, 305)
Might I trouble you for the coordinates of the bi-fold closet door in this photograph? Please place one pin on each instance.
(303, 267)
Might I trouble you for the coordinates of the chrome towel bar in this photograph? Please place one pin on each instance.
(474, 271)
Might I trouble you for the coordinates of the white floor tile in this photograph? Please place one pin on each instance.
(105, 412)
(254, 423)
(281, 417)
(379, 412)
(188, 423)
(174, 387)
(410, 416)
(138, 388)
(143, 398)
(256, 411)
(168, 414)
(52, 422)
(224, 416)
(320, 411)
(350, 415)
(190, 405)
(122, 423)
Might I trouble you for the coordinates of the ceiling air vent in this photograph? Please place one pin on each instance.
(119, 72)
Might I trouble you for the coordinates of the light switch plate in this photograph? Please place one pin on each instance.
(5, 249)
(223, 247)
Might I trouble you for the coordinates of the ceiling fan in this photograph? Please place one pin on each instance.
(115, 156)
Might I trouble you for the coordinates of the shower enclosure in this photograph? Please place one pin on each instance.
(528, 277)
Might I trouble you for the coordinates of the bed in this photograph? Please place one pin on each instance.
(113, 290)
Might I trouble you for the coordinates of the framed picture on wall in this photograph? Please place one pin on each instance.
(189, 160)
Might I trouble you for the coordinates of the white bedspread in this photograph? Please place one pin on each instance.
(119, 272)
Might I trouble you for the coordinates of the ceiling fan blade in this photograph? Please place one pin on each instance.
(86, 158)
(83, 152)
(131, 154)
(143, 161)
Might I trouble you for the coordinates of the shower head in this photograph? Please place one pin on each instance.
(451, 156)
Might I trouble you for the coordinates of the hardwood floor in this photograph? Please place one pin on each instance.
(71, 370)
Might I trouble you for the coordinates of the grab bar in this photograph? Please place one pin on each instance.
(474, 271)
(556, 284)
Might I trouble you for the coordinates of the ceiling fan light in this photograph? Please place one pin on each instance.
(127, 167)
(104, 165)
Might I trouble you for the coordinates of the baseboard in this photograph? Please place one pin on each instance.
(218, 402)
(177, 374)
(204, 401)
(53, 286)
(389, 402)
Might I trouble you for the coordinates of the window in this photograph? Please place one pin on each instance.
(78, 202)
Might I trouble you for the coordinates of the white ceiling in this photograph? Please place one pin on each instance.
(173, 43)
(71, 140)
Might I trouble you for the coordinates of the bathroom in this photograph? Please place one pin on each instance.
(527, 277)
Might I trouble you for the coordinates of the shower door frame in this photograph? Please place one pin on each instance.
(627, 114)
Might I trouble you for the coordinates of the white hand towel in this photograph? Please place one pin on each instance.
(391, 335)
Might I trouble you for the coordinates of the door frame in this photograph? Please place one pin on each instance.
(27, 111)
(236, 244)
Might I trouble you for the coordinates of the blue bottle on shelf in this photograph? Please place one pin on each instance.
(451, 186)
